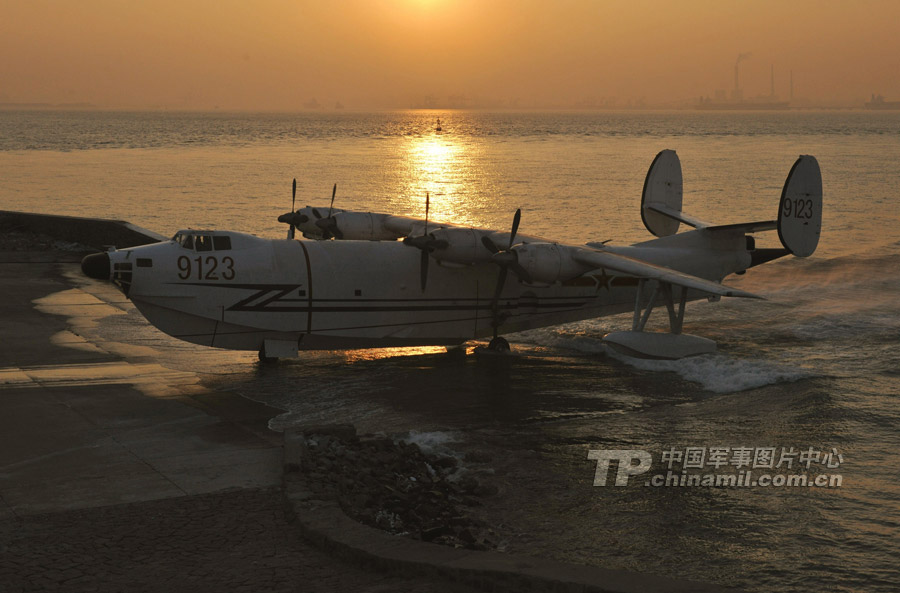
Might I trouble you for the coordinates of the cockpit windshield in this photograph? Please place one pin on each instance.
(202, 242)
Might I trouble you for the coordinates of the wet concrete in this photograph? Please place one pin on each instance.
(118, 474)
(81, 426)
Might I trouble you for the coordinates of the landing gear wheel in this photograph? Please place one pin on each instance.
(266, 359)
(456, 352)
(499, 344)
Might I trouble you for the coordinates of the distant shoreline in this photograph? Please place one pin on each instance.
(89, 107)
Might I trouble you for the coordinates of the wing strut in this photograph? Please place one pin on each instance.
(642, 314)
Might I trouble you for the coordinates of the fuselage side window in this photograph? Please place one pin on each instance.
(222, 243)
(188, 242)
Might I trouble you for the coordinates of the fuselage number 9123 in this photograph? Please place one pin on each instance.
(206, 268)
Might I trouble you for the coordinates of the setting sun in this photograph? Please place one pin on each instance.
(275, 55)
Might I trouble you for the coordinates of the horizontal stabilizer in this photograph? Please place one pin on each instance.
(746, 227)
(679, 216)
(642, 269)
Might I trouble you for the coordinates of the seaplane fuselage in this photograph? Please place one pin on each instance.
(359, 286)
(233, 290)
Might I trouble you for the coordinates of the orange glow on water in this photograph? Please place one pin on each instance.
(444, 167)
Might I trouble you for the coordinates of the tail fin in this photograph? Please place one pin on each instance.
(662, 196)
(663, 191)
(800, 209)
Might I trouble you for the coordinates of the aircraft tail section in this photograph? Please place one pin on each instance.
(662, 197)
(799, 221)
(800, 209)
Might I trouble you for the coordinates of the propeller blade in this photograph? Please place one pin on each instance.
(501, 280)
(427, 204)
(331, 207)
(424, 268)
(292, 229)
(506, 259)
(521, 272)
(515, 227)
(495, 302)
(491, 246)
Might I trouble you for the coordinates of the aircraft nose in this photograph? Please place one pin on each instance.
(96, 266)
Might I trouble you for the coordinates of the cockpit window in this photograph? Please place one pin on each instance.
(203, 243)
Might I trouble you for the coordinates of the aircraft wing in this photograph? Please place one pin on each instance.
(401, 225)
(642, 269)
(405, 226)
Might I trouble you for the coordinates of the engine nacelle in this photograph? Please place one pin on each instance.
(364, 226)
(548, 262)
(464, 246)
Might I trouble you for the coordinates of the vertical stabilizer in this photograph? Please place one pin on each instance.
(663, 189)
(800, 209)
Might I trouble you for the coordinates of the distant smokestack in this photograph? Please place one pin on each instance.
(737, 85)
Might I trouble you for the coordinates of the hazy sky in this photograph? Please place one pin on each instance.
(280, 54)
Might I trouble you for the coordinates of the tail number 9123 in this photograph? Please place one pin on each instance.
(798, 208)
(205, 268)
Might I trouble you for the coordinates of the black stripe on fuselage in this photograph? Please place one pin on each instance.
(322, 331)
(263, 301)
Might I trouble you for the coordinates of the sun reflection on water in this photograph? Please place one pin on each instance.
(366, 355)
(449, 169)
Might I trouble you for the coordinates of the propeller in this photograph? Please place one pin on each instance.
(507, 259)
(328, 224)
(293, 218)
(426, 243)
(293, 201)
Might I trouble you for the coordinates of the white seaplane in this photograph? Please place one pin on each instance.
(356, 285)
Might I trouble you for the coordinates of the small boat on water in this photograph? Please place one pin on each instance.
(437, 127)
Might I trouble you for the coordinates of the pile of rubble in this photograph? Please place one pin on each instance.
(396, 487)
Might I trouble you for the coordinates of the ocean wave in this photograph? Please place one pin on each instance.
(432, 443)
(874, 326)
(721, 373)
